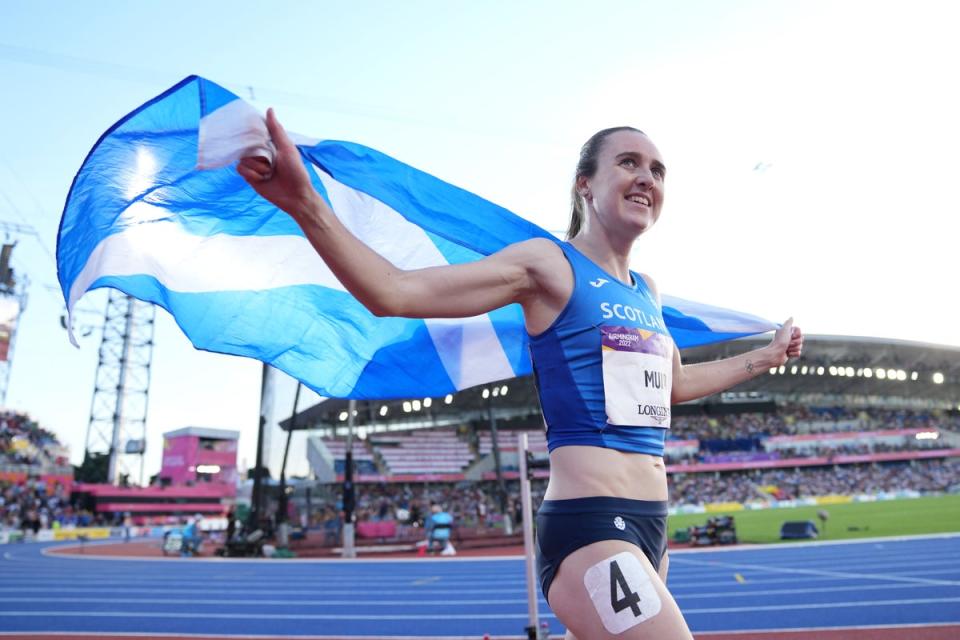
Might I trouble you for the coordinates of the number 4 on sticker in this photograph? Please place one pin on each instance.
(618, 585)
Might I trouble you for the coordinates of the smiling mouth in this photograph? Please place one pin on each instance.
(644, 200)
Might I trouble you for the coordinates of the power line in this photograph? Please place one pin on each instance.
(25, 228)
(22, 183)
(324, 103)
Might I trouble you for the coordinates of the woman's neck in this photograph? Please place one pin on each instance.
(615, 260)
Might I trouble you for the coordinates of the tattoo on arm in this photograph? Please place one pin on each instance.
(750, 366)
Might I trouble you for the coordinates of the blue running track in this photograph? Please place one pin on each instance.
(800, 586)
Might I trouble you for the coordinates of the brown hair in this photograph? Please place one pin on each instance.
(587, 166)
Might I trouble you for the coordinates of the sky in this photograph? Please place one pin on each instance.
(812, 150)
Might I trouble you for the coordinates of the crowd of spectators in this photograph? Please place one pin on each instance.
(24, 442)
(794, 419)
(728, 438)
(744, 436)
(474, 506)
(31, 505)
(924, 476)
(477, 505)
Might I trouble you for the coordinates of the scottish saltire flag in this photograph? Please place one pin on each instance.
(158, 211)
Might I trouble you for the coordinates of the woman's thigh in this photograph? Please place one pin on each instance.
(664, 567)
(609, 589)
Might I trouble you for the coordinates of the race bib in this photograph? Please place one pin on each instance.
(637, 373)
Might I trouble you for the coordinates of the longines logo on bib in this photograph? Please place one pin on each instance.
(658, 413)
(636, 376)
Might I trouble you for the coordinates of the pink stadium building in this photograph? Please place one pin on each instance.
(198, 455)
(198, 475)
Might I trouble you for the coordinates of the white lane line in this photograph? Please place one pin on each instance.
(228, 636)
(274, 603)
(264, 616)
(837, 564)
(270, 592)
(726, 592)
(676, 586)
(824, 605)
(831, 574)
(875, 550)
(808, 630)
(358, 582)
(729, 593)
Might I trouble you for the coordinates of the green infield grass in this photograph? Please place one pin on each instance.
(908, 516)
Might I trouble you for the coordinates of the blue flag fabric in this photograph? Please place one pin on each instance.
(158, 211)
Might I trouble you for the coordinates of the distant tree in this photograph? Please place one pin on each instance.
(94, 469)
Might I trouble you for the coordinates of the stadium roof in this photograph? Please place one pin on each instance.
(872, 367)
(833, 369)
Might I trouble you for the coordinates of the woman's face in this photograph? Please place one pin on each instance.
(625, 194)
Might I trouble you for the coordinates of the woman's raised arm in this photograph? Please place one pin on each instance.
(449, 291)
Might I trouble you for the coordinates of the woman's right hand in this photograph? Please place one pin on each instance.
(286, 182)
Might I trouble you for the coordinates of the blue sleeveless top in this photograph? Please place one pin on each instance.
(604, 367)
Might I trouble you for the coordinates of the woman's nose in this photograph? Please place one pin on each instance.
(644, 177)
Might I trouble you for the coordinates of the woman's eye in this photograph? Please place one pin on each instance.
(628, 162)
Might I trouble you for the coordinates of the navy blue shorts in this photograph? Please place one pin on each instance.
(563, 526)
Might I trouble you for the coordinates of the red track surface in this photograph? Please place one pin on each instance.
(151, 549)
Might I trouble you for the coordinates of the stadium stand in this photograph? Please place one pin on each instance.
(363, 459)
(788, 452)
(35, 478)
(426, 451)
(508, 441)
(24, 443)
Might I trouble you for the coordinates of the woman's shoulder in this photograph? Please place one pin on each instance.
(536, 253)
(539, 246)
(651, 285)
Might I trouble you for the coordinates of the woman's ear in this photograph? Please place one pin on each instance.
(583, 189)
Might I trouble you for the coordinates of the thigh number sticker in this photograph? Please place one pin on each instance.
(621, 592)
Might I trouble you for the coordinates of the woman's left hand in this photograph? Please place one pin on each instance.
(787, 342)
